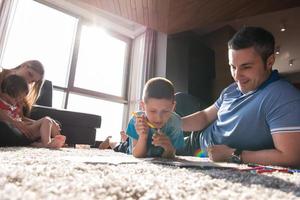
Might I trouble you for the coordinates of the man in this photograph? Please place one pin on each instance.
(257, 118)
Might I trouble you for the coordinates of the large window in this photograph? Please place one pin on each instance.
(86, 63)
(104, 64)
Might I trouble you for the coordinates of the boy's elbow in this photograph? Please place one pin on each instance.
(138, 154)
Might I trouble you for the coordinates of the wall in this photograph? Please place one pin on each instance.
(177, 63)
(177, 59)
(293, 78)
(217, 41)
(190, 65)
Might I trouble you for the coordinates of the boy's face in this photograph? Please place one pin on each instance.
(158, 111)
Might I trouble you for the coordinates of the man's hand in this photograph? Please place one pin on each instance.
(160, 139)
(219, 153)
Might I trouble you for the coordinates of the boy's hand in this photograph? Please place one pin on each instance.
(141, 126)
(160, 139)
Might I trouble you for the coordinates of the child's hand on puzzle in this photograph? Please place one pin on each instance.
(160, 139)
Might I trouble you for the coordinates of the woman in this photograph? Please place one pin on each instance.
(13, 132)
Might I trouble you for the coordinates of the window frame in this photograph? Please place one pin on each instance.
(82, 20)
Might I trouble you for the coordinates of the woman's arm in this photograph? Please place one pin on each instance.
(199, 120)
(4, 117)
(26, 119)
(21, 126)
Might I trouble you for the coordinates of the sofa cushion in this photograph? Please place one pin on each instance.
(67, 117)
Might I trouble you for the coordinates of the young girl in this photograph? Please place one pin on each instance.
(13, 90)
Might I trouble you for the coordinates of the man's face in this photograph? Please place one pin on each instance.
(248, 69)
(158, 111)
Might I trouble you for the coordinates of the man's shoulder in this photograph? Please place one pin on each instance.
(283, 87)
(232, 87)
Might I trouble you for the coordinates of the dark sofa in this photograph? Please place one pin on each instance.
(78, 127)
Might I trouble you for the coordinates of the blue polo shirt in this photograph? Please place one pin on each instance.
(247, 121)
(172, 129)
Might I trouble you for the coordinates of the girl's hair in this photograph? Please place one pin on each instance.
(158, 88)
(14, 86)
(34, 89)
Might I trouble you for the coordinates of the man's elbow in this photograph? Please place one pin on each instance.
(295, 161)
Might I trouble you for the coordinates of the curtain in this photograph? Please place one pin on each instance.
(6, 7)
(149, 55)
(142, 67)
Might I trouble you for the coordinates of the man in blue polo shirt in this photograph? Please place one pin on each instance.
(257, 118)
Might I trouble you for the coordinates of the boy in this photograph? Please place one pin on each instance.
(13, 90)
(156, 130)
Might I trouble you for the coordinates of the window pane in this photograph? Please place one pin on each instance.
(58, 99)
(40, 32)
(100, 60)
(110, 112)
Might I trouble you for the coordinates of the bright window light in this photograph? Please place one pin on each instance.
(41, 33)
(58, 99)
(100, 64)
(37, 31)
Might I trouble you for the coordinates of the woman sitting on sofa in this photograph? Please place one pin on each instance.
(13, 132)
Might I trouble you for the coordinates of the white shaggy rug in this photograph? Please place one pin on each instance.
(32, 173)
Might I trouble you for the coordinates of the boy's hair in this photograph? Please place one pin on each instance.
(262, 40)
(14, 86)
(158, 88)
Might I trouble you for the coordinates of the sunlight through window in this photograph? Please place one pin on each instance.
(100, 64)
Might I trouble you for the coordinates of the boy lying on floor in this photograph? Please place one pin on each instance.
(156, 130)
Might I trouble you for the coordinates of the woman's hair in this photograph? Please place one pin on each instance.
(14, 86)
(158, 88)
(262, 40)
(34, 88)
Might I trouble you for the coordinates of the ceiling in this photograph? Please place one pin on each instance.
(204, 16)
(173, 16)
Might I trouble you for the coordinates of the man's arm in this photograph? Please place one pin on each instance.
(199, 120)
(285, 153)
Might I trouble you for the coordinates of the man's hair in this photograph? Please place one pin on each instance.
(158, 88)
(14, 86)
(262, 40)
